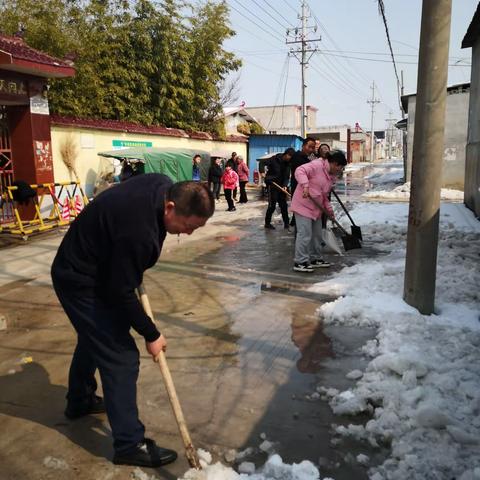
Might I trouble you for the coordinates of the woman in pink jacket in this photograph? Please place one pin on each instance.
(314, 182)
(230, 183)
(243, 173)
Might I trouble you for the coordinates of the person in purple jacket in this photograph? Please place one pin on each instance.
(315, 180)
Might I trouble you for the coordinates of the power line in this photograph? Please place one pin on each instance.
(326, 76)
(381, 8)
(261, 39)
(286, 3)
(283, 73)
(388, 61)
(268, 13)
(275, 36)
(278, 13)
(347, 63)
(331, 51)
(284, 95)
(339, 77)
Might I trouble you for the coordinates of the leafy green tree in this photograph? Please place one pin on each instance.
(210, 63)
(136, 60)
(108, 84)
(171, 83)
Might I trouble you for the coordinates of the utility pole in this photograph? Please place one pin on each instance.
(390, 121)
(427, 158)
(303, 54)
(373, 101)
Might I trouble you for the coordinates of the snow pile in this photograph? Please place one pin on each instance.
(422, 385)
(402, 192)
(385, 175)
(355, 167)
(139, 474)
(55, 463)
(274, 469)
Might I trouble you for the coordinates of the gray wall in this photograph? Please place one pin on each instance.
(472, 164)
(283, 120)
(456, 125)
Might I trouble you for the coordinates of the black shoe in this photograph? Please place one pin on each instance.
(269, 226)
(320, 264)
(146, 454)
(303, 267)
(96, 406)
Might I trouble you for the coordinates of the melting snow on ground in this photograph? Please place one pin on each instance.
(422, 385)
(402, 192)
(274, 468)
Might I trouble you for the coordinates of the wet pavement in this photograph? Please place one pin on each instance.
(246, 351)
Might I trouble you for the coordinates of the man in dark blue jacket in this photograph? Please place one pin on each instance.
(97, 269)
(278, 171)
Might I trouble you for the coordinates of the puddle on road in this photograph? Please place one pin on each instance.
(250, 331)
(313, 344)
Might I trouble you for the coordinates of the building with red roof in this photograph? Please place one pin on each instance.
(25, 142)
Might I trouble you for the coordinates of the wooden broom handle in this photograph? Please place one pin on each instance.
(190, 451)
(284, 190)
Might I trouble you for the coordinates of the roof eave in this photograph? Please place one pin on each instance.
(38, 69)
(473, 32)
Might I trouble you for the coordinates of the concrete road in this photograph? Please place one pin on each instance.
(245, 351)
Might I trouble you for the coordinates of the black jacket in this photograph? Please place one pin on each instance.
(299, 158)
(278, 171)
(109, 246)
(215, 173)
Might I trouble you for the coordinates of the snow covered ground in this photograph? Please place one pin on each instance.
(422, 385)
(402, 192)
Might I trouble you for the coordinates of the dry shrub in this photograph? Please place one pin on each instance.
(69, 153)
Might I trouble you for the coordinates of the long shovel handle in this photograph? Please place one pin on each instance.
(332, 219)
(344, 207)
(284, 190)
(190, 451)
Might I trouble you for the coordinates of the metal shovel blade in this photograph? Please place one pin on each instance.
(356, 232)
(350, 242)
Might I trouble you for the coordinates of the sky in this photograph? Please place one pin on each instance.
(338, 86)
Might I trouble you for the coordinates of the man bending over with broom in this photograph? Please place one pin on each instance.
(97, 269)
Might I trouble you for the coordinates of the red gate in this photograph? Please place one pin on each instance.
(6, 167)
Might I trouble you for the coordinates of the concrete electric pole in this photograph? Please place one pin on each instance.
(303, 55)
(428, 144)
(373, 101)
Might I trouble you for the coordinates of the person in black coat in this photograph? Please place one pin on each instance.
(98, 267)
(278, 172)
(299, 158)
(215, 173)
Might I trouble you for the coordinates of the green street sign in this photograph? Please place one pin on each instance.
(130, 143)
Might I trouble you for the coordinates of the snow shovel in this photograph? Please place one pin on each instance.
(356, 231)
(349, 241)
(190, 451)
